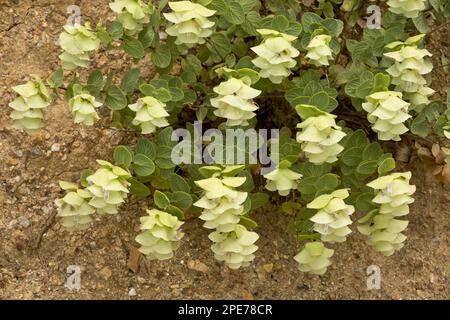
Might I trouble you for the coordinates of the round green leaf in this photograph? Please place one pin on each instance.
(235, 13)
(178, 183)
(123, 156)
(162, 57)
(146, 147)
(161, 200)
(143, 166)
(386, 166)
(181, 199)
(138, 189)
(115, 98)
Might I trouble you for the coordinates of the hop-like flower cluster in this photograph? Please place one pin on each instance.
(387, 113)
(408, 8)
(29, 106)
(275, 55)
(190, 22)
(77, 41)
(133, 14)
(234, 101)
(282, 180)
(319, 51)
(411, 64)
(150, 114)
(74, 208)
(236, 247)
(161, 235)
(222, 205)
(333, 216)
(320, 135)
(83, 108)
(314, 258)
(381, 226)
(109, 187)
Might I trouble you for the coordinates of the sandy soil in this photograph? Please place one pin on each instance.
(31, 166)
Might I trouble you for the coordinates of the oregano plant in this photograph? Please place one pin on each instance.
(223, 75)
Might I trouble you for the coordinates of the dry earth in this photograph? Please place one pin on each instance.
(30, 167)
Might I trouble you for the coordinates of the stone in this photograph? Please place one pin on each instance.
(132, 292)
(197, 265)
(24, 222)
(268, 267)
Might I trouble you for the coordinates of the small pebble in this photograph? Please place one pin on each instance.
(132, 292)
(24, 222)
(55, 147)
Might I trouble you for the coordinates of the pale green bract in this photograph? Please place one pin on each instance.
(333, 216)
(133, 14)
(314, 258)
(408, 8)
(151, 114)
(222, 205)
(319, 51)
(83, 108)
(320, 135)
(74, 208)
(33, 98)
(236, 247)
(234, 101)
(410, 66)
(109, 187)
(447, 155)
(387, 113)
(393, 193)
(275, 55)
(447, 133)
(282, 180)
(161, 236)
(190, 23)
(77, 41)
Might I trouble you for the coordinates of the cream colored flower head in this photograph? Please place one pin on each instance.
(314, 258)
(109, 187)
(83, 108)
(151, 114)
(222, 205)
(77, 41)
(320, 135)
(283, 180)
(190, 23)
(393, 194)
(74, 208)
(236, 248)
(275, 55)
(161, 235)
(387, 113)
(333, 216)
(133, 14)
(410, 66)
(319, 51)
(407, 8)
(29, 106)
(234, 101)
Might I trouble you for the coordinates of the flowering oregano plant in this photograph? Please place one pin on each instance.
(332, 97)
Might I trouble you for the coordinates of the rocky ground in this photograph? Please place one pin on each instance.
(35, 251)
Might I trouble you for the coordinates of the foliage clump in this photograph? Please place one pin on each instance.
(246, 67)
